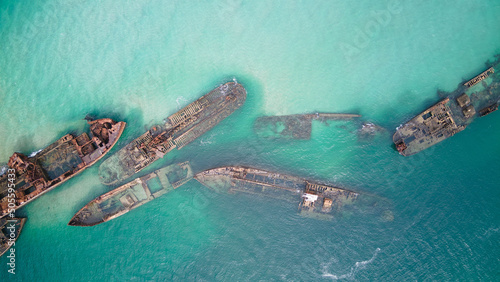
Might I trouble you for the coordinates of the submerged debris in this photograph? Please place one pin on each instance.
(369, 130)
(488, 110)
(293, 126)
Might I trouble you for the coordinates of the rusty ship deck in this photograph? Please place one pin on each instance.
(474, 98)
(10, 229)
(57, 163)
(132, 195)
(293, 126)
(179, 130)
(316, 200)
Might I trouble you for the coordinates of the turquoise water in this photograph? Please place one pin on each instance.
(140, 61)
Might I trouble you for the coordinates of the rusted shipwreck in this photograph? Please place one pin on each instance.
(316, 200)
(52, 166)
(10, 229)
(293, 126)
(132, 195)
(475, 98)
(179, 130)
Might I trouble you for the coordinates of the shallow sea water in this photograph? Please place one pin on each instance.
(140, 61)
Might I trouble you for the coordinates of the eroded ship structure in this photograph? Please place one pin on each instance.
(132, 195)
(293, 126)
(179, 130)
(316, 200)
(474, 98)
(368, 130)
(30, 177)
(9, 232)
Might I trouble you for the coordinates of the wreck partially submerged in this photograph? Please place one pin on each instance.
(316, 200)
(474, 98)
(179, 130)
(132, 195)
(293, 126)
(234, 179)
(10, 229)
(35, 175)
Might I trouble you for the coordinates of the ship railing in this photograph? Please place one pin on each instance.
(479, 78)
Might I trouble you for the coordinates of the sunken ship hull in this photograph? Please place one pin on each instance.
(132, 195)
(475, 98)
(316, 200)
(10, 229)
(179, 130)
(30, 177)
(293, 126)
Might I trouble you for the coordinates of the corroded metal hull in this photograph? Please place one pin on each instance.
(253, 181)
(132, 195)
(316, 200)
(179, 130)
(474, 98)
(30, 177)
(426, 129)
(293, 126)
(10, 229)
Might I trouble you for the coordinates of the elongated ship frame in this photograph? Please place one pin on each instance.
(316, 200)
(179, 130)
(132, 195)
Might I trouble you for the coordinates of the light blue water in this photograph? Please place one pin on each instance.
(140, 61)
